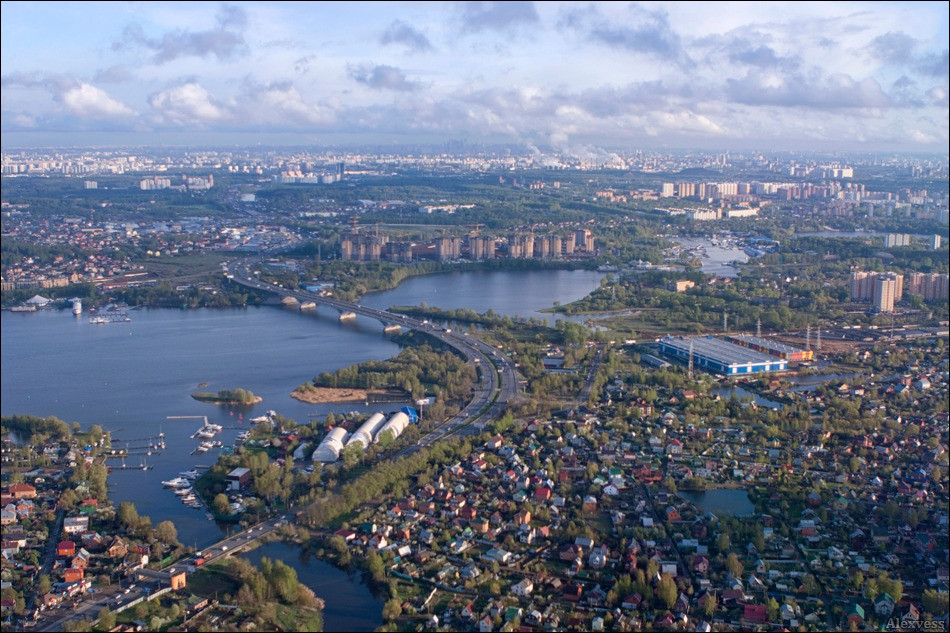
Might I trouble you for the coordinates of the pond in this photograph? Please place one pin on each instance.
(722, 501)
(740, 393)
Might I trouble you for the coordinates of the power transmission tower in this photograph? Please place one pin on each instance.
(808, 336)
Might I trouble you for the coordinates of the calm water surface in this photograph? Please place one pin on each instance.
(350, 605)
(722, 501)
(515, 293)
(738, 392)
(716, 260)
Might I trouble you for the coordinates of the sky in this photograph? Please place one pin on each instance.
(854, 76)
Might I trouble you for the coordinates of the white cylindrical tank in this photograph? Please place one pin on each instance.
(331, 446)
(367, 431)
(397, 424)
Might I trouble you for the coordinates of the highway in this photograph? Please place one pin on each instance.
(498, 382)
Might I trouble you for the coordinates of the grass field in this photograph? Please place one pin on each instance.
(212, 580)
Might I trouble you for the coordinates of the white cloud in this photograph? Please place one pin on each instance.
(188, 104)
(281, 105)
(87, 101)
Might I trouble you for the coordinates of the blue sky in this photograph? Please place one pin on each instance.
(798, 75)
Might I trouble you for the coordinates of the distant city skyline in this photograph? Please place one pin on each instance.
(571, 77)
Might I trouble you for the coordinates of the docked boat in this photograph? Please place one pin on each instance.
(177, 482)
(189, 474)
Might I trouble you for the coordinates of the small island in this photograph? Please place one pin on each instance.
(228, 396)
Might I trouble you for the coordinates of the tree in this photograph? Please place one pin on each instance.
(772, 609)
(374, 565)
(670, 485)
(43, 585)
(935, 602)
(220, 504)
(106, 619)
(166, 533)
(724, 542)
(857, 579)
(392, 609)
(734, 565)
(666, 590)
(709, 607)
(128, 515)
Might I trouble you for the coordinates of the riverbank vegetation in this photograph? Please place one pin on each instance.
(419, 370)
(271, 598)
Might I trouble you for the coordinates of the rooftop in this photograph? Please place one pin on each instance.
(767, 343)
(718, 350)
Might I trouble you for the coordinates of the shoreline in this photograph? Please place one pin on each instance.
(330, 395)
(231, 403)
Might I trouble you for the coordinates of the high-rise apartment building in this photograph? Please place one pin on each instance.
(685, 190)
(399, 251)
(521, 246)
(448, 248)
(864, 286)
(358, 247)
(547, 246)
(569, 243)
(584, 241)
(931, 286)
(896, 239)
(885, 293)
(481, 247)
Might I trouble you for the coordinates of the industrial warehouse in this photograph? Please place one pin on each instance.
(721, 357)
(772, 347)
(370, 431)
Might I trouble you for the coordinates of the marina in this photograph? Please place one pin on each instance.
(100, 319)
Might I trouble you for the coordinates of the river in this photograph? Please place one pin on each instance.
(523, 293)
(350, 605)
(129, 377)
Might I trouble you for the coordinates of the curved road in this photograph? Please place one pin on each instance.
(498, 383)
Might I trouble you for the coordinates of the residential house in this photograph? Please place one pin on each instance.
(523, 588)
